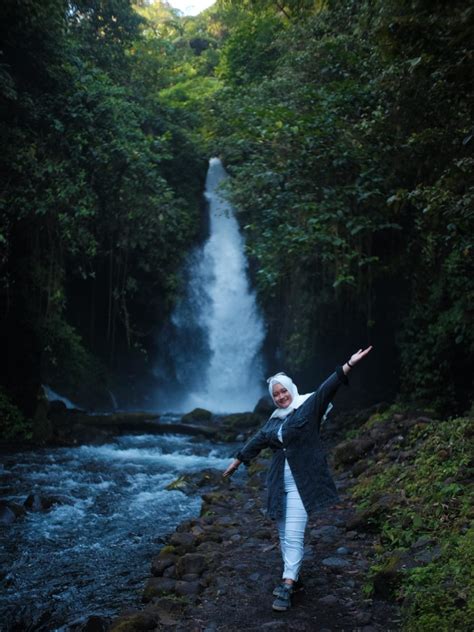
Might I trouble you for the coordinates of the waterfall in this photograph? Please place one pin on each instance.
(212, 346)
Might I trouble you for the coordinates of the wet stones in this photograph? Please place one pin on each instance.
(183, 542)
(190, 564)
(161, 562)
(10, 511)
(156, 587)
(35, 502)
(335, 562)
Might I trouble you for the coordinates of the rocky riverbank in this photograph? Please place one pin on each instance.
(394, 554)
(217, 571)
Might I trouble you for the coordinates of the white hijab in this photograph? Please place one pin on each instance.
(296, 398)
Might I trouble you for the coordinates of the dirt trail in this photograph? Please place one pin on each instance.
(219, 570)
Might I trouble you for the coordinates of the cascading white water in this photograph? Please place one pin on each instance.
(216, 331)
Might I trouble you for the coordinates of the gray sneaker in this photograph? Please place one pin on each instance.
(296, 586)
(283, 600)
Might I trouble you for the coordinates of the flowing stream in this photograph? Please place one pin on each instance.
(91, 553)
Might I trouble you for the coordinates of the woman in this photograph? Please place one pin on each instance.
(298, 480)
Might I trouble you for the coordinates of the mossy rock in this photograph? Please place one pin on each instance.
(181, 484)
(241, 421)
(388, 579)
(349, 452)
(156, 587)
(196, 415)
(169, 549)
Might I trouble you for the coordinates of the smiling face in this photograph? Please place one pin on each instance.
(281, 396)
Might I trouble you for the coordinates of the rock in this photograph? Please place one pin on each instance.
(157, 586)
(360, 466)
(232, 426)
(196, 415)
(35, 502)
(137, 622)
(428, 556)
(184, 542)
(342, 550)
(423, 542)
(327, 533)
(328, 600)
(186, 589)
(191, 563)
(189, 577)
(7, 515)
(335, 562)
(168, 604)
(368, 519)
(362, 618)
(161, 562)
(94, 623)
(349, 452)
(423, 420)
(387, 579)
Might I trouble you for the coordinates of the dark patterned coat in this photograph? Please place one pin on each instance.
(303, 449)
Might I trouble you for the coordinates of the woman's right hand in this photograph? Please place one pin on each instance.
(232, 468)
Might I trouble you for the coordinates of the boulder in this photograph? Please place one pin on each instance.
(197, 415)
(190, 483)
(190, 564)
(35, 502)
(156, 587)
(241, 421)
(350, 451)
(137, 622)
(161, 562)
(187, 589)
(7, 515)
(10, 511)
(368, 520)
(183, 542)
(94, 623)
(360, 466)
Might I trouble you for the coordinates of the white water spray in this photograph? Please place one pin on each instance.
(218, 331)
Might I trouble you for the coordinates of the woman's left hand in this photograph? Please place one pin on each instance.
(232, 468)
(359, 355)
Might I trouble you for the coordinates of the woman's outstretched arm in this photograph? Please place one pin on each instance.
(318, 403)
(355, 358)
(248, 452)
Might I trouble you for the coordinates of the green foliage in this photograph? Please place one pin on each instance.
(13, 424)
(439, 596)
(435, 502)
(97, 211)
(250, 53)
(351, 162)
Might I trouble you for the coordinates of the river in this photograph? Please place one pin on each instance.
(91, 553)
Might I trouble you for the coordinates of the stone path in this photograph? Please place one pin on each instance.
(218, 571)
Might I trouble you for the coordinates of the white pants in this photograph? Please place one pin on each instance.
(291, 528)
